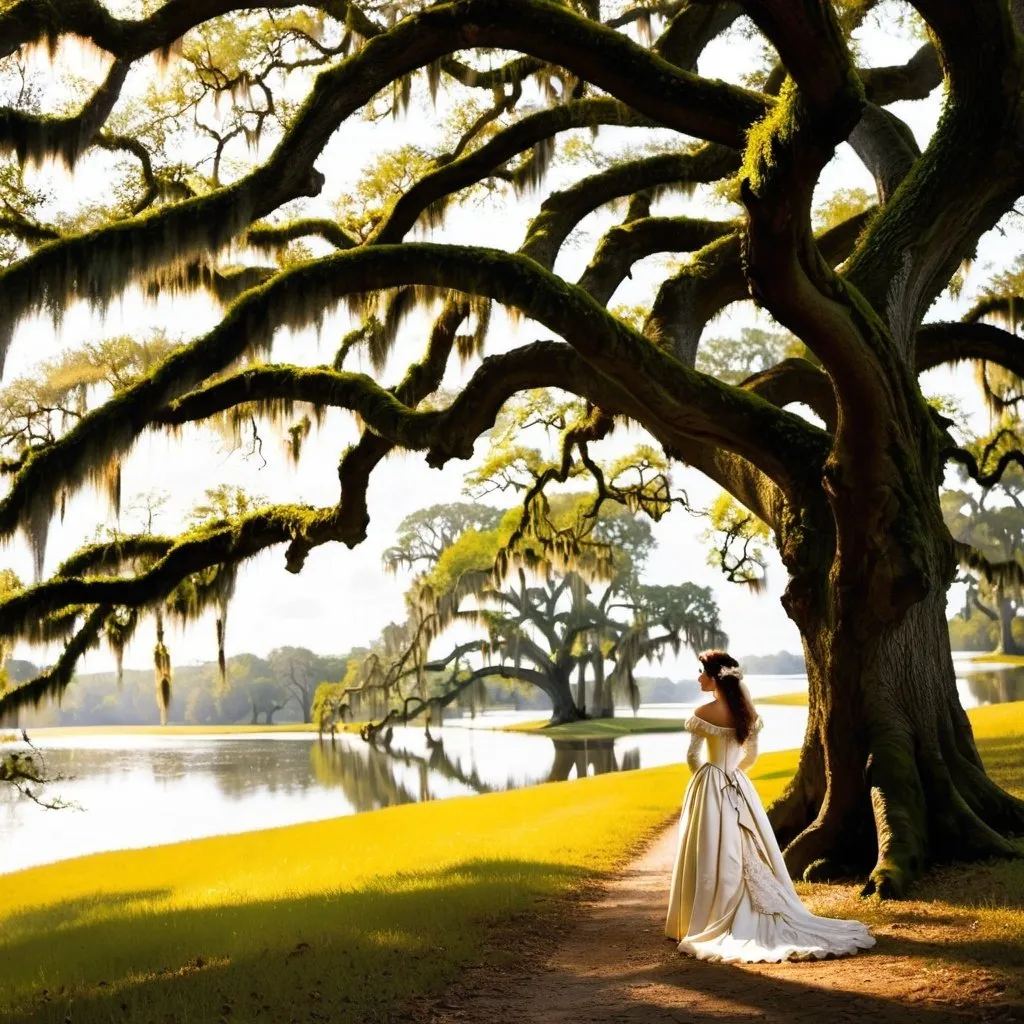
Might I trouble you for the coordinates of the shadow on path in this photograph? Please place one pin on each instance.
(613, 964)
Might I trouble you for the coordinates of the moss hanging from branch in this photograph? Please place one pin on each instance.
(162, 670)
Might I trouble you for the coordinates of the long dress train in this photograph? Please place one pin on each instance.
(731, 897)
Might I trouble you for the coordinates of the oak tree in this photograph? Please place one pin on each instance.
(889, 777)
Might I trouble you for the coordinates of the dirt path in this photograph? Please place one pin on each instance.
(610, 962)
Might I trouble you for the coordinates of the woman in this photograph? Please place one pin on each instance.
(731, 897)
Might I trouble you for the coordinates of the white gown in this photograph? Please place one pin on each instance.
(732, 898)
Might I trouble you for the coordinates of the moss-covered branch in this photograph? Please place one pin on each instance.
(563, 210)
(915, 80)
(683, 401)
(940, 343)
(444, 434)
(272, 237)
(796, 380)
(969, 175)
(223, 542)
(430, 192)
(35, 138)
(624, 245)
(31, 21)
(53, 681)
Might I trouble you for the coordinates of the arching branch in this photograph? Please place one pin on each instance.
(939, 343)
(562, 211)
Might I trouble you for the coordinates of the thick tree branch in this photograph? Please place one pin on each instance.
(685, 402)
(939, 343)
(915, 80)
(562, 211)
(796, 380)
(30, 21)
(535, 129)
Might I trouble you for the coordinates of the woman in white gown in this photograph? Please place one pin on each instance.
(731, 897)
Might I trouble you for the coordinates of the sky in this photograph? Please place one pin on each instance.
(342, 598)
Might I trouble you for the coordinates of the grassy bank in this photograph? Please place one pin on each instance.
(599, 728)
(998, 659)
(344, 920)
(789, 700)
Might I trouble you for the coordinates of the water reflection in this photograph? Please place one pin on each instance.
(997, 687)
(371, 777)
(147, 789)
(576, 759)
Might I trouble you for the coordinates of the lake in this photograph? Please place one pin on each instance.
(143, 790)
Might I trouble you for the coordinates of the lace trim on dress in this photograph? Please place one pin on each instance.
(696, 724)
(767, 895)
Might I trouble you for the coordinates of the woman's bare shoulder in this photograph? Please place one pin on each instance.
(715, 714)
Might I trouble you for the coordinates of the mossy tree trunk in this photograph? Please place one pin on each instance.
(889, 778)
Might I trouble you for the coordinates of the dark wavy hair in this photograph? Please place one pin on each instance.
(742, 711)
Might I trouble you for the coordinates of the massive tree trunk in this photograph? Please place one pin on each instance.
(889, 778)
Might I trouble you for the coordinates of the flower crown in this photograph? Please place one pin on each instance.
(730, 672)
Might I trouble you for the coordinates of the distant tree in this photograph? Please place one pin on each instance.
(990, 520)
(562, 630)
(298, 671)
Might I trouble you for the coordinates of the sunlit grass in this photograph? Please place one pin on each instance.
(999, 659)
(356, 915)
(795, 700)
(599, 728)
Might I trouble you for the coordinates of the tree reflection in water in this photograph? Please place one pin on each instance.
(580, 758)
(372, 777)
(997, 687)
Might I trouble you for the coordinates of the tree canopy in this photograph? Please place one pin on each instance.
(212, 183)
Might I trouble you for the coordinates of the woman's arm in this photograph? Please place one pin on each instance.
(693, 758)
(749, 750)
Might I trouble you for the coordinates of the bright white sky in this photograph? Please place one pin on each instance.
(342, 598)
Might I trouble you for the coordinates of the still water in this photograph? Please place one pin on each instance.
(131, 791)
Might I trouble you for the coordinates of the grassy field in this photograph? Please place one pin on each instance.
(344, 920)
(998, 659)
(599, 728)
(791, 700)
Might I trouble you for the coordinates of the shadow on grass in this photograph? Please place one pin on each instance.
(348, 956)
(71, 912)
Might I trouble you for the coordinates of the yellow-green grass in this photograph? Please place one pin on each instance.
(353, 917)
(599, 728)
(358, 913)
(792, 700)
(181, 730)
(998, 659)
